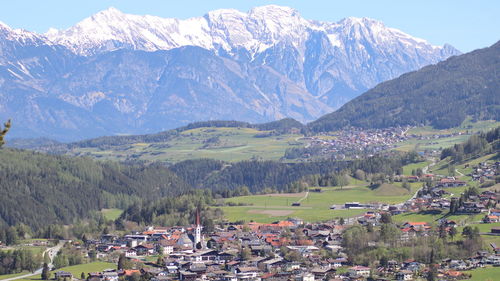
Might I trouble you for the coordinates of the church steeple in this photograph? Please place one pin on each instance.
(197, 231)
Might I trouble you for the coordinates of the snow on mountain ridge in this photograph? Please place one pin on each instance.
(256, 30)
(20, 35)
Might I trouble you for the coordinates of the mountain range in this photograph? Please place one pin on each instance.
(115, 73)
(441, 96)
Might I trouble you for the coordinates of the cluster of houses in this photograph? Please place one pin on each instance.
(436, 197)
(291, 249)
(355, 142)
(485, 171)
(188, 255)
(284, 250)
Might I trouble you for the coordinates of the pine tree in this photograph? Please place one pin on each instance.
(122, 262)
(160, 261)
(4, 132)
(453, 232)
(45, 271)
(432, 274)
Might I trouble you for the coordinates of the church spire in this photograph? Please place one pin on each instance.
(197, 231)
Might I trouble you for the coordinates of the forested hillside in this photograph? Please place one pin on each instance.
(38, 189)
(441, 95)
(227, 179)
(476, 146)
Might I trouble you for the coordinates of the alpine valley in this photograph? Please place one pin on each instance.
(115, 73)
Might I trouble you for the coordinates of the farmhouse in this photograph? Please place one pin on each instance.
(451, 183)
(352, 205)
(359, 271)
(404, 275)
(63, 274)
(495, 230)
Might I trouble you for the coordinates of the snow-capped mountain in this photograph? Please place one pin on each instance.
(225, 29)
(120, 73)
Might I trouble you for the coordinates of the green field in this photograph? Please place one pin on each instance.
(77, 270)
(34, 249)
(432, 144)
(237, 144)
(228, 144)
(467, 125)
(7, 276)
(436, 144)
(485, 274)
(88, 267)
(485, 227)
(111, 214)
(316, 207)
(432, 217)
(414, 166)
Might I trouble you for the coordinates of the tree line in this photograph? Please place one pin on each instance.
(16, 261)
(39, 190)
(475, 146)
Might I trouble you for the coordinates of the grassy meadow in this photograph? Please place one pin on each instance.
(316, 206)
(7, 276)
(485, 274)
(77, 270)
(437, 144)
(228, 144)
(237, 144)
(111, 214)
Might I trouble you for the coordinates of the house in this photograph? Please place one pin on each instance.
(203, 256)
(451, 183)
(419, 226)
(142, 250)
(273, 264)
(453, 275)
(472, 207)
(338, 262)
(490, 219)
(352, 205)
(131, 253)
(306, 277)
(404, 275)
(322, 273)
(458, 265)
(359, 271)
(187, 276)
(247, 273)
(412, 178)
(413, 229)
(63, 275)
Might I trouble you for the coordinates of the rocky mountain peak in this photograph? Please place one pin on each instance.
(120, 73)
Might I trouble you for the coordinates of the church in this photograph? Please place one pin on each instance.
(194, 238)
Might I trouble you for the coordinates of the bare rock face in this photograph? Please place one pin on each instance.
(115, 73)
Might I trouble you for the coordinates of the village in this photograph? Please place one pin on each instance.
(354, 142)
(292, 249)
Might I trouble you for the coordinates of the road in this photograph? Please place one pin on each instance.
(424, 171)
(305, 196)
(52, 252)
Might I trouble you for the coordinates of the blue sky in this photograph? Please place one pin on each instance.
(467, 25)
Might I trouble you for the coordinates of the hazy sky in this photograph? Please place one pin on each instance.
(467, 25)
